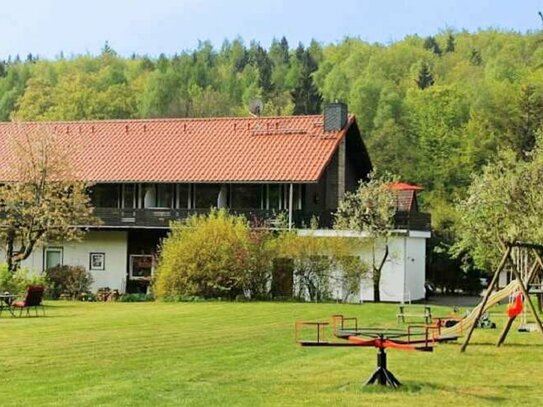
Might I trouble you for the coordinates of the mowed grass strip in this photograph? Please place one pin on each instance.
(204, 354)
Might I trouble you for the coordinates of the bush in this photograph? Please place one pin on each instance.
(18, 282)
(71, 280)
(186, 298)
(136, 297)
(316, 261)
(214, 256)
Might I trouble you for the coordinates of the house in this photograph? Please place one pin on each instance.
(146, 173)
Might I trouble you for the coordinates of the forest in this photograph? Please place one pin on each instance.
(434, 110)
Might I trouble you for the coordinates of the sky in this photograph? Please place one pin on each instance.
(151, 27)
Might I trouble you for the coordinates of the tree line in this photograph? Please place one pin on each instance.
(434, 110)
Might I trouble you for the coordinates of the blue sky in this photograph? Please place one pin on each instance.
(46, 27)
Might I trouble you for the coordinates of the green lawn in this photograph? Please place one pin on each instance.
(211, 354)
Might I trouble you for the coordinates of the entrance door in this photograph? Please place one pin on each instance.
(141, 266)
(282, 279)
(140, 273)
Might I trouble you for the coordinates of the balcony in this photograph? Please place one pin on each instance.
(161, 217)
(413, 221)
(270, 218)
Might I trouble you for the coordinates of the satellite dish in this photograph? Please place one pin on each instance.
(256, 107)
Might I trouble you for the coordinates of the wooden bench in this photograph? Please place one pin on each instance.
(407, 311)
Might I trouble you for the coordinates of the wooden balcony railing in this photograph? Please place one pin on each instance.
(161, 218)
(413, 221)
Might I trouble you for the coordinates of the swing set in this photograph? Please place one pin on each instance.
(524, 262)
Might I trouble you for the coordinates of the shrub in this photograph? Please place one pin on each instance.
(136, 297)
(71, 280)
(212, 256)
(320, 261)
(18, 282)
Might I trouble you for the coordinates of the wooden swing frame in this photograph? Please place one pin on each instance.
(537, 250)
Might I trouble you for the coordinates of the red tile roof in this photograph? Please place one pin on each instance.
(275, 149)
(402, 186)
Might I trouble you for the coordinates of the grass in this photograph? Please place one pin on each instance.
(208, 354)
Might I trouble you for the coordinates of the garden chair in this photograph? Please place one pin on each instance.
(33, 298)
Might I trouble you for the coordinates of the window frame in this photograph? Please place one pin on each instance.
(47, 249)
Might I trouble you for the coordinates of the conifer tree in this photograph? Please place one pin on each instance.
(451, 45)
(431, 44)
(425, 78)
(306, 96)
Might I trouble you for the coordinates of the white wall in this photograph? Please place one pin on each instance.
(415, 268)
(112, 243)
(393, 274)
(404, 272)
(402, 278)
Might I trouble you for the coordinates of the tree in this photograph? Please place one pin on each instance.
(259, 58)
(475, 57)
(215, 255)
(370, 210)
(305, 95)
(450, 47)
(425, 78)
(503, 204)
(321, 263)
(431, 44)
(529, 121)
(41, 200)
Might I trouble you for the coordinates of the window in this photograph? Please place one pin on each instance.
(105, 196)
(164, 196)
(158, 196)
(246, 196)
(141, 266)
(206, 195)
(274, 196)
(129, 196)
(182, 196)
(52, 257)
(97, 261)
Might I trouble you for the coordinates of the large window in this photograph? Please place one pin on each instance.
(158, 195)
(52, 257)
(105, 195)
(182, 196)
(274, 196)
(206, 195)
(246, 196)
(128, 196)
(164, 196)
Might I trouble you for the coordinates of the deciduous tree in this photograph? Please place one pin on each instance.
(370, 210)
(41, 199)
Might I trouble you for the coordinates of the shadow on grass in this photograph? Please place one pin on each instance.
(23, 317)
(414, 387)
(61, 304)
(406, 387)
(505, 345)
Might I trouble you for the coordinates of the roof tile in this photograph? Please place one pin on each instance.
(276, 149)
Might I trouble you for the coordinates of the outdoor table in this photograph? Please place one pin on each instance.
(5, 303)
